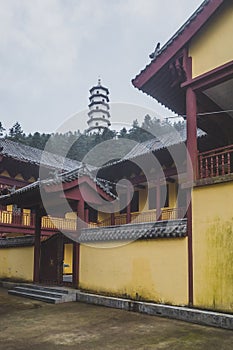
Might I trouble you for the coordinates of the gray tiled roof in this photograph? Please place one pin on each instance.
(84, 170)
(33, 155)
(160, 229)
(62, 178)
(22, 241)
(156, 144)
(164, 141)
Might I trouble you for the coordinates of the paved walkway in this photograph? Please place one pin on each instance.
(27, 324)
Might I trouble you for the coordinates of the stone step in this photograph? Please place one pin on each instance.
(54, 289)
(48, 293)
(39, 297)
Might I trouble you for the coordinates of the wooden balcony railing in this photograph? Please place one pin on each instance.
(17, 221)
(27, 220)
(217, 162)
(58, 223)
(140, 217)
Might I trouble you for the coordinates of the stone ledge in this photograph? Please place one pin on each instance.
(213, 180)
(207, 318)
(21, 241)
(150, 230)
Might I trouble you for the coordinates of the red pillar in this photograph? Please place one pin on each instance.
(36, 274)
(76, 245)
(86, 215)
(112, 219)
(191, 113)
(158, 199)
(128, 208)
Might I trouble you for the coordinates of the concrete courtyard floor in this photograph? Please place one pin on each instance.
(27, 324)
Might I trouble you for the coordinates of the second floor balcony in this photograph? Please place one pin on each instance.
(216, 162)
(24, 223)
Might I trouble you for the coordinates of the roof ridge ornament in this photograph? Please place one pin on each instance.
(155, 53)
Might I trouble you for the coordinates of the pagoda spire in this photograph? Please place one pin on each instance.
(98, 115)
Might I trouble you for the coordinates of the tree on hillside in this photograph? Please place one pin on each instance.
(1, 129)
(37, 140)
(16, 133)
(77, 145)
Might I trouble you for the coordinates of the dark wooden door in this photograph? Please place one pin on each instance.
(51, 260)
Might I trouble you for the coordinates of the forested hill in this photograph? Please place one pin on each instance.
(82, 143)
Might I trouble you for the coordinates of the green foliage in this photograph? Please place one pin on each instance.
(1, 129)
(16, 133)
(76, 145)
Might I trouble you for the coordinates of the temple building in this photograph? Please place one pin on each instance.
(98, 115)
(169, 235)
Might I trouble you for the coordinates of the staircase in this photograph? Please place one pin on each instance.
(53, 295)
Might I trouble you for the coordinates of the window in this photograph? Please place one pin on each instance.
(102, 99)
(97, 91)
(104, 116)
(97, 107)
(96, 124)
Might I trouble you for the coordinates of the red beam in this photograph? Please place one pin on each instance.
(76, 245)
(211, 78)
(12, 182)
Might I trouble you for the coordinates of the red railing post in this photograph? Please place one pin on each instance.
(217, 161)
(217, 166)
(112, 219)
(228, 163)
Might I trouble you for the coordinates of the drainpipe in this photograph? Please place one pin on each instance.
(191, 113)
(36, 272)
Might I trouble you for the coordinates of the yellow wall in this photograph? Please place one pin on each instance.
(71, 215)
(5, 173)
(172, 195)
(68, 258)
(213, 246)
(143, 200)
(103, 216)
(213, 46)
(32, 179)
(150, 270)
(17, 263)
(19, 177)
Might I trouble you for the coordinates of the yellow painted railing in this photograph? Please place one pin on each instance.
(140, 217)
(6, 217)
(28, 220)
(56, 223)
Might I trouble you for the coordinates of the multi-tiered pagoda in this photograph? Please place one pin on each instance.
(98, 115)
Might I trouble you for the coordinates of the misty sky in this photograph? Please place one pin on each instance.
(52, 52)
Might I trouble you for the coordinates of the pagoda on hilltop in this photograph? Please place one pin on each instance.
(98, 115)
